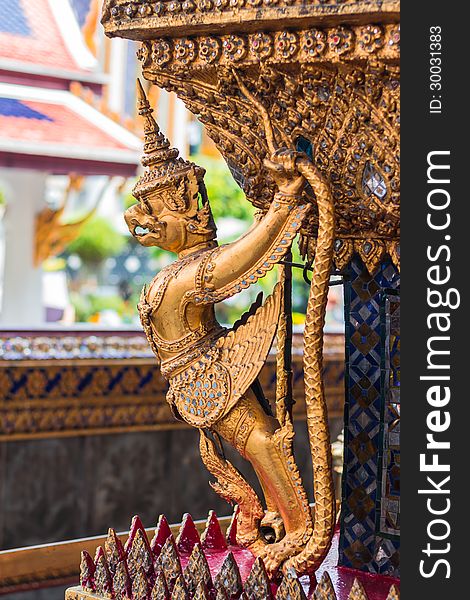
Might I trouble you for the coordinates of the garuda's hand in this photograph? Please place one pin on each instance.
(282, 166)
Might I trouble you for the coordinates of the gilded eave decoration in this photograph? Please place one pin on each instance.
(149, 19)
(331, 90)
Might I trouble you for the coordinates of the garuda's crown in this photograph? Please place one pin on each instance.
(176, 181)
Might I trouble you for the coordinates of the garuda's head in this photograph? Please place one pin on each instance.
(173, 211)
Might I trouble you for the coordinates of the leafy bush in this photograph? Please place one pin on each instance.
(87, 306)
(97, 241)
(226, 197)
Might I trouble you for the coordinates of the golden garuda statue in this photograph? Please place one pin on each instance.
(212, 371)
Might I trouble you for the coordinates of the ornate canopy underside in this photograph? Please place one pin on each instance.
(327, 73)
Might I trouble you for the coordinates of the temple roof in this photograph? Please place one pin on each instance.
(81, 8)
(42, 40)
(54, 130)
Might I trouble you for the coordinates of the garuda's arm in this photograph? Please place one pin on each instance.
(232, 267)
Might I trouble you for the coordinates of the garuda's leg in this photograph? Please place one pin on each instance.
(260, 439)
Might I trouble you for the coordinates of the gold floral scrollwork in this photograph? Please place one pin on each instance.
(161, 52)
(234, 47)
(209, 49)
(341, 41)
(185, 51)
(144, 53)
(344, 250)
(371, 252)
(371, 38)
(261, 45)
(314, 42)
(286, 44)
(346, 111)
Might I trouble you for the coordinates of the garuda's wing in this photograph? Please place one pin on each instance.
(244, 349)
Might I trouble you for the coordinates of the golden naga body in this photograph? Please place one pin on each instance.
(212, 371)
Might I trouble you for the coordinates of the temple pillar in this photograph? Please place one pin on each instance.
(180, 136)
(22, 281)
(117, 75)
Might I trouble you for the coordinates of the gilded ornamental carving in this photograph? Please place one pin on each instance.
(302, 100)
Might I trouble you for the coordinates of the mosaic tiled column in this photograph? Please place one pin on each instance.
(370, 511)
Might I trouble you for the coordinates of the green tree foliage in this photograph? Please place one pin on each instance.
(87, 305)
(226, 197)
(97, 240)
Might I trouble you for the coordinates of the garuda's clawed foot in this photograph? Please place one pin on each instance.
(257, 547)
(275, 554)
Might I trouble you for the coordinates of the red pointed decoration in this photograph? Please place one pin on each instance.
(232, 529)
(201, 593)
(121, 582)
(394, 593)
(197, 570)
(291, 589)
(324, 589)
(169, 563)
(140, 586)
(136, 524)
(228, 579)
(357, 591)
(139, 555)
(221, 594)
(87, 572)
(179, 591)
(257, 584)
(162, 533)
(114, 550)
(188, 536)
(98, 553)
(160, 589)
(213, 538)
(103, 580)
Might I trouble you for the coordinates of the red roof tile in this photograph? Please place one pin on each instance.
(64, 127)
(58, 124)
(30, 34)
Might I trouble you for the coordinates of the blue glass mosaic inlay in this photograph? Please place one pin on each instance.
(370, 510)
(12, 18)
(304, 145)
(10, 107)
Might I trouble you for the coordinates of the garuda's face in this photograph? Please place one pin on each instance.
(152, 224)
